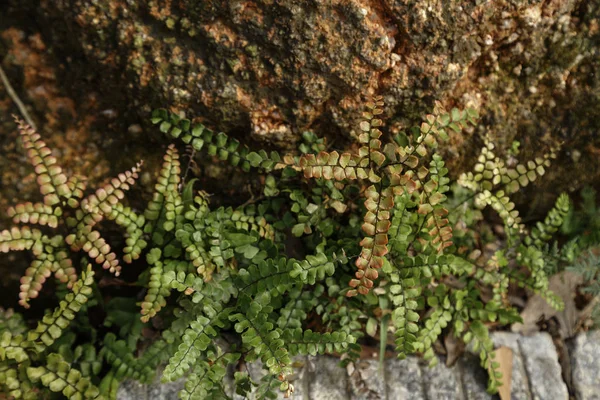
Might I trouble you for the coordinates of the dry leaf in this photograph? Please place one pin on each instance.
(564, 285)
(454, 349)
(504, 357)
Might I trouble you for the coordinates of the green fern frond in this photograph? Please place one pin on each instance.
(432, 329)
(58, 376)
(52, 325)
(13, 347)
(261, 338)
(307, 342)
(160, 284)
(205, 379)
(478, 334)
(543, 231)
(168, 181)
(493, 182)
(124, 364)
(196, 339)
(219, 145)
(133, 224)
(14, 384)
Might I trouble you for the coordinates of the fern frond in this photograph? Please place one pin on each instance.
(195, 251)
(158, 287)
(220, 145)
(13, 347)
(435, 229)
(244, 219)
(307, 342)
(52, 325)
(207, 375)
(14, 383)
(77, 187)
(312, 268)
(168, 182)
(124, 364)
(374, 244)
(196, 339)
(269, 276)
(345, 166)
(505, 208)
(181, 281)
(38, 213)
(133, 224)
(54, 258)
(106, 197)
(543, 231)
(432, 329)
(293, 314)
(104, 202)
(50, 178)
(98, 250)
(493, 182)
(537, 281)
(261, 337)
(173, 207)
(18, 239)
(482, 343)
(60, 377)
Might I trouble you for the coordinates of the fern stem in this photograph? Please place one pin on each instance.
(13, 95)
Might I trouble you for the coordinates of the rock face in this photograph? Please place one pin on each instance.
(277, 68)
(536, 375)
(585, 360)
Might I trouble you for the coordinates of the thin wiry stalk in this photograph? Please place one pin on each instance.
(13, 95)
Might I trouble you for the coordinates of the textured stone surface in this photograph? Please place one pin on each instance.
(473, 378)
(442, 383)
(585, 360)
(326, 380)
(132, 390)
(367, 381)
(536, 375)
(404, 379)
(543, 369)
(277, 68)
(519, 385)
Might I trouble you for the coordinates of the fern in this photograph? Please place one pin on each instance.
(58, 376)
(123, 362)
(219, 145)
(64, 206)
(52, 325)
(270, 274)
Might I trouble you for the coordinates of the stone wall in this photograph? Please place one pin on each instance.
(536, 375)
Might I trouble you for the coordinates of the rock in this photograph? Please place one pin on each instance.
(543, 369)
(326, 380)
(442, 383)
(536, 375)
(404, 379)
(474, 378)
(132, 390)
(585, 361)
(298, 379)
(519, 385)
(272, 70)
(368, 381)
